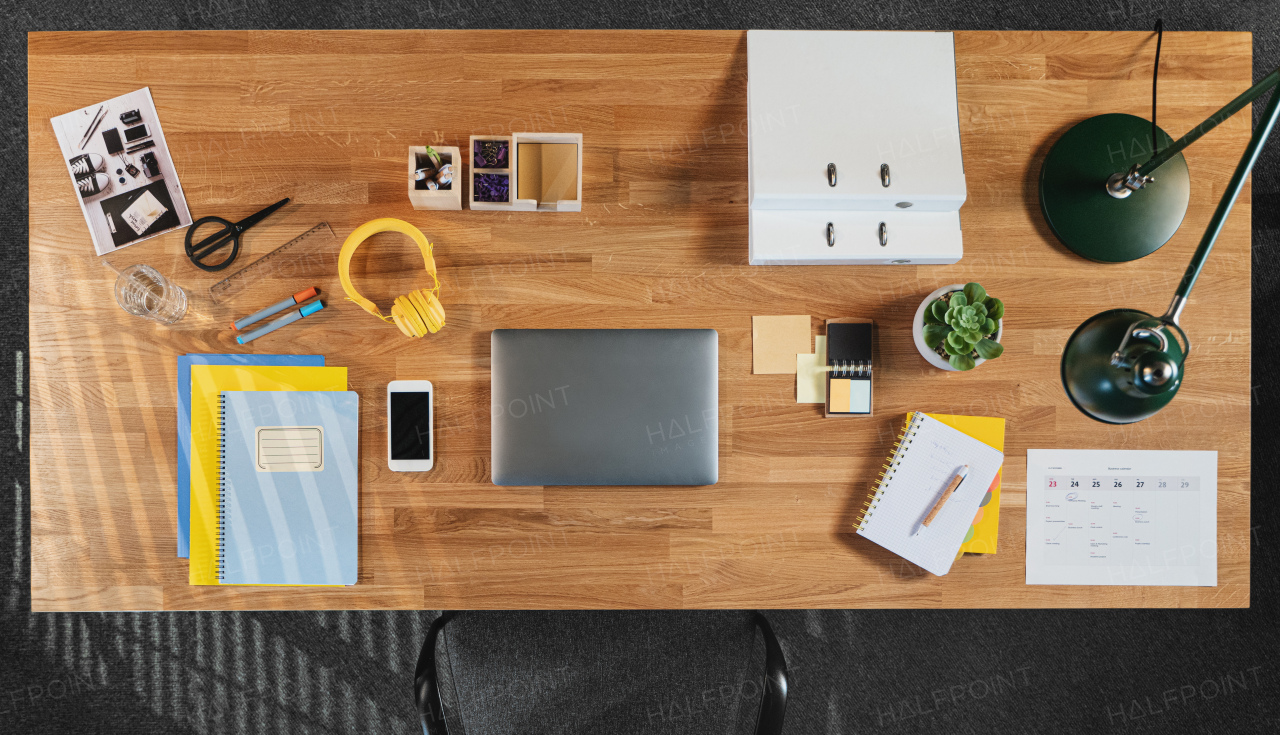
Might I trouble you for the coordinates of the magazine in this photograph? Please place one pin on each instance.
(121, 171)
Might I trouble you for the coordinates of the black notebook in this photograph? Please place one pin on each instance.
(850, 344)
(113, 209)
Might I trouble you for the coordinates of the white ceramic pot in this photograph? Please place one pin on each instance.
(917, 330)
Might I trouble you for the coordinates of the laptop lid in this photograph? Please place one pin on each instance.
(605, 406)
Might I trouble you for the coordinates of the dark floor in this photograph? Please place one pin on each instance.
(853, 672)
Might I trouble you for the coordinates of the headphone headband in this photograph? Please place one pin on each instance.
(416, 313)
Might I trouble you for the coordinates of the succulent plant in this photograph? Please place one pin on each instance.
(963, 323)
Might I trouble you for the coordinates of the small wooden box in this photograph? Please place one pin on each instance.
(530, 181)
(423, 198)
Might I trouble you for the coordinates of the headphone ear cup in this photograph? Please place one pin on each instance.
(405, 314)
(418, 313)
(432, 311)
(401, 320)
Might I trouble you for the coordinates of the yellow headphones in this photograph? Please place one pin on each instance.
(417, 313)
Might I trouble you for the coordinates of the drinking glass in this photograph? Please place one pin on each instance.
(142, 291)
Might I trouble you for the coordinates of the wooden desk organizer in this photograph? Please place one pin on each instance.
(423, 198)
(516, 201)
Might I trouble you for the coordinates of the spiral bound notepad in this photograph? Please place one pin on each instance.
(850, 344)
(288, 510)
(928, 454)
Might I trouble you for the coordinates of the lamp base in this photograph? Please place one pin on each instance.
(1101, 390)
(1091, 222)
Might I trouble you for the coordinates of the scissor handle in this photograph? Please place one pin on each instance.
(229, 233)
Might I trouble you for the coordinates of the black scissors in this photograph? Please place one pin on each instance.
(228, 233)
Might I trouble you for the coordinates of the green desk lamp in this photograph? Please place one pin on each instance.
(1124, 365)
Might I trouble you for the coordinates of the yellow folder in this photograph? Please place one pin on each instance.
(207, 382)
(985, 527)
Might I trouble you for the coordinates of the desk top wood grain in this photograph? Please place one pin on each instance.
(326, 118)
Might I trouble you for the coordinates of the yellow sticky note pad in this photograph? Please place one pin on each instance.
(775, 342)
(811, 373)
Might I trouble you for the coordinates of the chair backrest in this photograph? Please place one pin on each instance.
(605, 672)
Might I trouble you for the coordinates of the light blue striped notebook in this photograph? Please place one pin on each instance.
(289, 500)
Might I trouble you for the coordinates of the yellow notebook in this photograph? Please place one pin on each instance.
(207, 383)
(985, 527)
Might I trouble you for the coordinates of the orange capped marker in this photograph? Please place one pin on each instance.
(297, 298)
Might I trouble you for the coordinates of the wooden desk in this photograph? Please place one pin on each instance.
(326, 118)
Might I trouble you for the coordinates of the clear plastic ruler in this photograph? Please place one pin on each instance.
(312, 254)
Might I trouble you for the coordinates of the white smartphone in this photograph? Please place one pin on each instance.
(411, 418)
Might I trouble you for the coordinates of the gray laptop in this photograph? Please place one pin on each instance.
(605, 406)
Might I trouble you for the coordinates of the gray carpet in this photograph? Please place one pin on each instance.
(852, 671)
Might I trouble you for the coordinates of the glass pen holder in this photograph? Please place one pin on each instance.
(142, 291)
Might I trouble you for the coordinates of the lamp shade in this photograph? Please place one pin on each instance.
(1113, 391)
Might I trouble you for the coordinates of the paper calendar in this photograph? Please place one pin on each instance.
(1113, 517)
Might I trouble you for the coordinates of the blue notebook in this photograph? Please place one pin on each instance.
(184, 423)
(289, 496)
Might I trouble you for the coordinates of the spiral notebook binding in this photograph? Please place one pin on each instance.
(850, 368)
(220, 548)
(890, 467)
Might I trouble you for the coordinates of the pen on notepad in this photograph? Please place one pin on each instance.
(951, 490)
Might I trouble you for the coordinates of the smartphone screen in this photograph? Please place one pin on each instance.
(135, 133)
(410, 425)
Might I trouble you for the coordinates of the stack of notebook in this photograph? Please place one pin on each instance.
(268, 449)
(929, 454)
(984, 529)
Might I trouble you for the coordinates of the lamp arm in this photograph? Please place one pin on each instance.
(1211, 122)
(1250, 156)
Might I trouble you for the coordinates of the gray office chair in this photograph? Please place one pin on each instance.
(623, 673)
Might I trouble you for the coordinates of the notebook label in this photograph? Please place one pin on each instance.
(290, 448)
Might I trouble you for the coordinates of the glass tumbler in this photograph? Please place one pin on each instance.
(142, 291)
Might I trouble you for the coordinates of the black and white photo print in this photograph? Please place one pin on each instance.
(121, 169)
